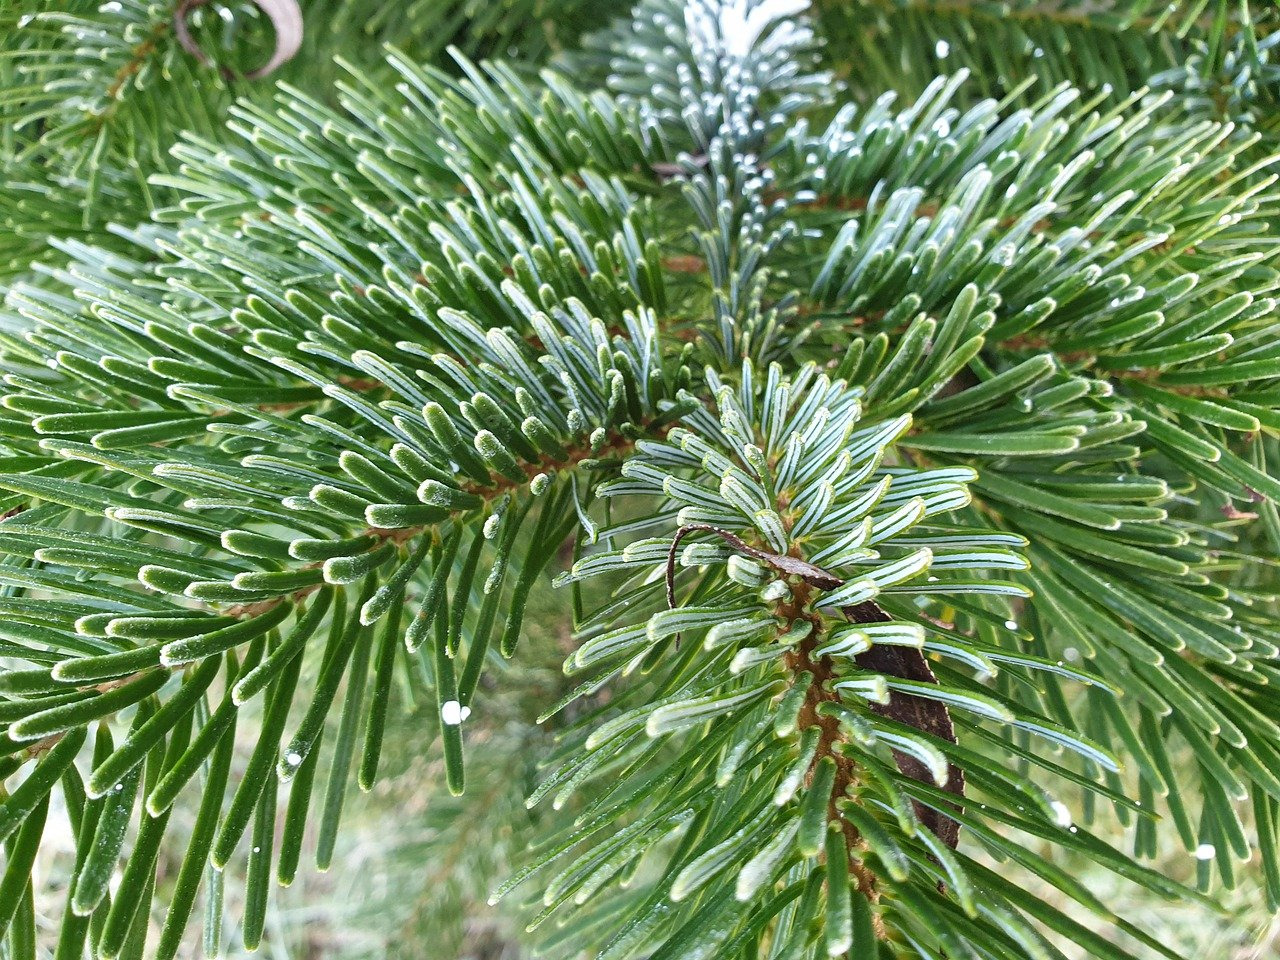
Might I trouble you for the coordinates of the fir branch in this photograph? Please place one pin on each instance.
(983, 436)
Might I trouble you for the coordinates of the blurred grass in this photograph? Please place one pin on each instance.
(1241, 930)
(416, 865)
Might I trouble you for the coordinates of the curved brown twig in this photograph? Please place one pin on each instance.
(286, 20)
(793, 566)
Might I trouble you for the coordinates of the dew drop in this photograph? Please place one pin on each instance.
(452, 713)
(1061, 814)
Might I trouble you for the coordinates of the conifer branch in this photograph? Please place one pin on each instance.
(918, 458)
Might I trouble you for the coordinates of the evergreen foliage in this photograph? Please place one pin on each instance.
(915, 437)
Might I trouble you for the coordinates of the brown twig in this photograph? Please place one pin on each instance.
(286, 20)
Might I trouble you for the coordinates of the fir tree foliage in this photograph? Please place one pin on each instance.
(96, 94)
(1216, 52)
(917, 452)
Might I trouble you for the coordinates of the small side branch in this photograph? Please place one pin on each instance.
(927, 716)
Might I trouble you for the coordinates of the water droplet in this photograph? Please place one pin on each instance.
(1206, 851)
(1061, 813)
(1011, 624)
(293, 759)
(942, 49)
(452, 713)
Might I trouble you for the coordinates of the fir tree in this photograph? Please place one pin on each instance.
(892, 389)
